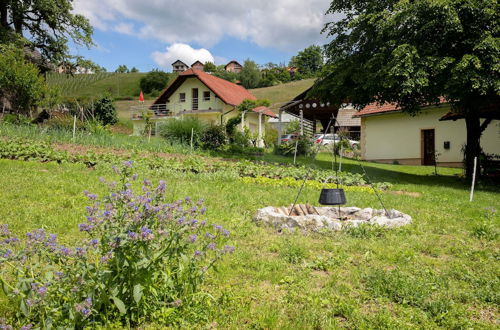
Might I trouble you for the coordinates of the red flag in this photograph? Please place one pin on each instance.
(141, 97)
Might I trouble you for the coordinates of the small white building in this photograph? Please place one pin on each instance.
(389, 135)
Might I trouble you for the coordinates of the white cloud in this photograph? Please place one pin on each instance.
(182, 52)
(282, 24)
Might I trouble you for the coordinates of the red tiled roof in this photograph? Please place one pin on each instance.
(375, 108)
(265, 110)
(227, 91)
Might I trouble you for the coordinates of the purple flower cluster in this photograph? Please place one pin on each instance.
(85, 307)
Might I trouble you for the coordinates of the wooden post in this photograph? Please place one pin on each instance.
(279, 126)
(192, 133)
(473, 180)
(74, 127)
(295, 153)
(259, 139)
(301, 122)
(243, 121)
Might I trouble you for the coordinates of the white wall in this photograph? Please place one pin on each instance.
(397, 136)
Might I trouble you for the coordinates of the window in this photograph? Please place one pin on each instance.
(206, 96)
(182, 97)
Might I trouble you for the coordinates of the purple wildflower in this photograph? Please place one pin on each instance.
(102, 180)
(203, 223)
(85, 227)
(225, 232)
(58, 275)
(116, 169)
(7, 254)
(161, 187)
(105, 258)
(146, 182)
(211, 246)
(27, 326)
(64, 250)
(94, 243)
(42, 291)
(229, 249)
(197, 253)
(80, 251)
(187, 199)
(132, 234)
(209, 235)
(146, 233)
(192, 238)
(181, 220)
(203, 210)
(135, 176)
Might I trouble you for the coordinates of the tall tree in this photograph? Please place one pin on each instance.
(309, 60)
(414, 52)
(45, 26)
(250, 75)
(20, 82)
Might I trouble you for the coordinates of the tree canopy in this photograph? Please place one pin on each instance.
(250, 74)
(413, 53)
(154, 80)
(44, 26)
(309, 60)
(20, 82)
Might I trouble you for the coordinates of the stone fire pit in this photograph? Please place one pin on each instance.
(313, 218)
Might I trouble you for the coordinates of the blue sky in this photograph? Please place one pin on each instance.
(151, 34)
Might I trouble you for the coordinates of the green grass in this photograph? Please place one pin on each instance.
(119, 85)
(284, 92)
(121, 141)
(441, 271)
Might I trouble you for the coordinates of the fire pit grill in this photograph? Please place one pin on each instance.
(308, 217)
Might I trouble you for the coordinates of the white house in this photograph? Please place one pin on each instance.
(388, 135)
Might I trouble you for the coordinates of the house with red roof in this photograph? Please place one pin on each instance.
(435, 135)
(211, 99)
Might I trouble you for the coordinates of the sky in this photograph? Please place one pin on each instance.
(149, 34)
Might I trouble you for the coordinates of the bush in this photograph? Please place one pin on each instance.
(154, 80)
(64, 123)
(16, 119)
(144, 260)
(304, 147)
(179, 130)
(214, 137)
(105, 111)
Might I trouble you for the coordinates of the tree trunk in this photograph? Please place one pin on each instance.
(473, 146)
(3, 14)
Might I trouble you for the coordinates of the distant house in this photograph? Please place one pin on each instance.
(389, 135)
(209, 98)
(233, 66)
(179, 66)
(197, 65)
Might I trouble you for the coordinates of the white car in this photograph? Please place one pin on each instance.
(326, 139)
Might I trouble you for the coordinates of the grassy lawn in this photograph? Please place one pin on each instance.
(441, 271)
(282, 92)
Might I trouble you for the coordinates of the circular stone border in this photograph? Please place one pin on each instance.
(328, 218)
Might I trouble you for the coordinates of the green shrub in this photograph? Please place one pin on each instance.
(143, 261)
(155, 80)
(64, 123)
(105, 111)
(304, 147)
(179, 130)
(16, 119)
(214, 138)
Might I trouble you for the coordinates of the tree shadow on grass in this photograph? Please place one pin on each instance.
(395, 174)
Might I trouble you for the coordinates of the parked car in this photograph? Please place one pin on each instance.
(289, 137)
(326, 139)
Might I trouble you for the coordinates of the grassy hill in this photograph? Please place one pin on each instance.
(283, 92)
(125, 86)
(119, 85)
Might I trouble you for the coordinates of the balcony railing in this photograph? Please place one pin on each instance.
(158, 111)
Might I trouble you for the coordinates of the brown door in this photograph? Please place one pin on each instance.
(428, 147)
(195, 98)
